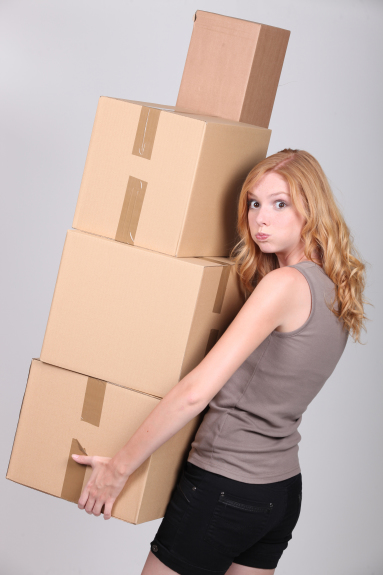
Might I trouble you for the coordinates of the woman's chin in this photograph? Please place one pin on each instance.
(265, 248)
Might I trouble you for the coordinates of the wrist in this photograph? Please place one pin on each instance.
(119, 467)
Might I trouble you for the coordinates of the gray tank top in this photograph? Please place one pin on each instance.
(250, 431)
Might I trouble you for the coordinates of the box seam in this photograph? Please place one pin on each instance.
(191, 190)
(192, 320)
(144, 487)
(79, 203)
(18, 421)
(108, 382)
(55, 288)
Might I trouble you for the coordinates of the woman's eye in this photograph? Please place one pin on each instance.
(255, 204)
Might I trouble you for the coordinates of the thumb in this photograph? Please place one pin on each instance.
(83, 459)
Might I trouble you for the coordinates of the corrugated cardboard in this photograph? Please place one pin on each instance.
(166, 181)
(232, 68)
(51, 427)
(135, 317)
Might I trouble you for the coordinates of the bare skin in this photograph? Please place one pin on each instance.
(270, 212)
(154, 566)
(281, 301)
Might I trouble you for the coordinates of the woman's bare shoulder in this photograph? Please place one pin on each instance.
(291, 294)
(276, 291)
(286, 276)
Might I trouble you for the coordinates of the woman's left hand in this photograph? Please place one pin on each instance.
(103, 487)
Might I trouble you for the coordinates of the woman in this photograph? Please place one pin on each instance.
(239, 498)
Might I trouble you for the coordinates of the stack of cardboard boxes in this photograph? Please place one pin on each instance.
(145, 286)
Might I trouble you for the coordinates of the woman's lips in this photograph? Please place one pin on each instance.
(262, 236)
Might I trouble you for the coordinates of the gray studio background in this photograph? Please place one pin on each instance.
(57, 58)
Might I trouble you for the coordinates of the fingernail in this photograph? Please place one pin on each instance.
(75, 456)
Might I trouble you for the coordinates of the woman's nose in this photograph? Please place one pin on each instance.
(261, 217)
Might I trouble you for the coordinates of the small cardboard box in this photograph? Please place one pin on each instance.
(135, 317)
(232, 68)
(65, 412)
(166, 181)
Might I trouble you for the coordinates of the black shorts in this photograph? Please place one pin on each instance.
(213, 521)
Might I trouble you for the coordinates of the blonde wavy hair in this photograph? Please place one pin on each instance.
(324, 234)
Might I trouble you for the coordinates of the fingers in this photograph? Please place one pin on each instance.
(90, 501)
(96, 505)
(97, 508)
(108, 508)
(101, 490)
(89, 504)
(83, 498)
(83, 459)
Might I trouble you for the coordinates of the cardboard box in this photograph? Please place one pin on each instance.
(64, 412)
(135, 317)
(166, 181)
(232, 68)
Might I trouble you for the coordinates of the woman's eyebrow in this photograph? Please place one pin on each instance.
(251, 195)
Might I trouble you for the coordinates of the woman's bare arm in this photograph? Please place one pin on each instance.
(264, 311)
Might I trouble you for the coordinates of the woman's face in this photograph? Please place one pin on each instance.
(271, 212)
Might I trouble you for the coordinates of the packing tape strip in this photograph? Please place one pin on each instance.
(91, 413)
(131, 210)
(93, 401)
(220, 295)
(136, 188)
(74, 475)
(219, 298)
(146, 132)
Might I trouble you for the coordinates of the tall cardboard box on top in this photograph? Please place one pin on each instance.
(135, 317)
(166, 181)
(65, 412)
(232, 68)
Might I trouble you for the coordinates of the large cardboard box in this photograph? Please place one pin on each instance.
(135, 317)
(232, 68)
(166, 181)
(65, 412)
